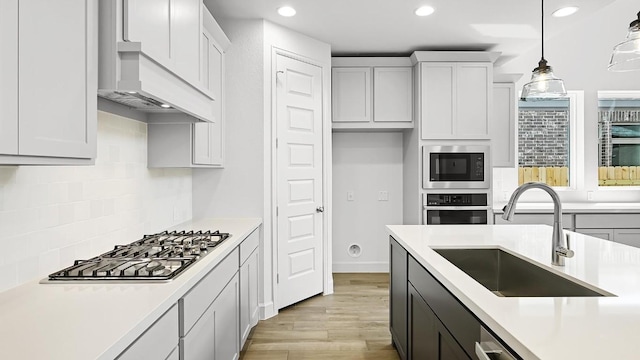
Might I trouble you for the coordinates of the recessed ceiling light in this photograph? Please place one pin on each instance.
(565, 11)
(166, 106)
(424, 11)
(287, 11)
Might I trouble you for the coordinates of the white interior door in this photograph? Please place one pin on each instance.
(299, 180)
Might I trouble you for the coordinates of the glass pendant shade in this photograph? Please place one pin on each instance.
(543, 85)
(626, 55)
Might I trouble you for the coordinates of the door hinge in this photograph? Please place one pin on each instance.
(277, 278)
(276, 143)
(276, 211)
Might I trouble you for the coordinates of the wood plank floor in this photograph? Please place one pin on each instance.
(352, 323)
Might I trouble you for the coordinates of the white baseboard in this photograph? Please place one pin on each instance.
(267, 310)
(375, 267)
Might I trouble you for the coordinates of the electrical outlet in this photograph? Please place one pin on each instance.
(590, 195)
(383, 196)
(505, 196)
(351, 196)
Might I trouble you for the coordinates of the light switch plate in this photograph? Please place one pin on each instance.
(383, 196)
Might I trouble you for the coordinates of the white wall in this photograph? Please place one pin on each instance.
(244, 187)
(365, 163)
(580, 56)
(52, 215)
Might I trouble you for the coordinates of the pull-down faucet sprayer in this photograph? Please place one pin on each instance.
(559, 247)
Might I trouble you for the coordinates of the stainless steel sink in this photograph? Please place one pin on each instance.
(510, 276)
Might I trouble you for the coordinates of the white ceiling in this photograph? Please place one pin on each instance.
(390, 27)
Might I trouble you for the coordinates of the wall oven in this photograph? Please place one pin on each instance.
(456, 167)
(456, 208)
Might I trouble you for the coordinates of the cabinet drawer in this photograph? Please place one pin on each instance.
(248, 245)
(198, 299)
(457, 319)
(607, 221)
(533, 219)
(158, 341)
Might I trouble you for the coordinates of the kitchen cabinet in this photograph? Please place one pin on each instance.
(503, 121)
(398, 297)
(209, 326)
(196, 144)
(249, 271)
(429, 338)
(372, 93)
(536, 218)
(160, 341)
(456, 100)
(453, 331)
(48, 82)
(621, 228)
(169, 30)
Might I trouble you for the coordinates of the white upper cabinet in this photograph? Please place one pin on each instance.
(456, 98)
(393, 94)
(169, 30)
(351, 94)
(503, 121)
(372, 93)
(48, 82)
(198, 144)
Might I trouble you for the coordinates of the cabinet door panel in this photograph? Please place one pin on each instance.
(423, 335)
(9, 77)
(473, 97)
(503, 125)
(398, 297)
(202, 143)
(149, 22)
(392, 94)
(437, 117)
(606, 234)
(351, 94)
(55, 119)
(227, 329)
(629, 237)
(185, 36)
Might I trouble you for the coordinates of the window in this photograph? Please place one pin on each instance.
(546, 141)
(618, 138)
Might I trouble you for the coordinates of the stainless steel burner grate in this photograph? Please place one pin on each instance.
(161, 256)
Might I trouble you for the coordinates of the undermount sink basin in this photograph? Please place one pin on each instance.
(507, 275)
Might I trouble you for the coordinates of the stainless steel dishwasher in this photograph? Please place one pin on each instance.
(490, 348)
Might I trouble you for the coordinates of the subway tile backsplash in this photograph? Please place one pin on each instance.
(52, 215)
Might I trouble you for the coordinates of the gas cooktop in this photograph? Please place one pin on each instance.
(158, 257)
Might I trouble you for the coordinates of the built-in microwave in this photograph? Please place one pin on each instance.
(456, 167)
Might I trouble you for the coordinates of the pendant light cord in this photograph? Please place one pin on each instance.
(542, 17)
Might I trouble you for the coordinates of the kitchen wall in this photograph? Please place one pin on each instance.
(52, 215)
(243, 188)
(365, 164)
(580, 57)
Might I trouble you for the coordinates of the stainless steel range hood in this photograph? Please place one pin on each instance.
(130, 76)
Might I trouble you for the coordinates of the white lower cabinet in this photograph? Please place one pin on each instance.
(621, 228)
(533, 219)
(209, 321)
(215, 335)
(159, 341)
(248, 286)
(606, 234)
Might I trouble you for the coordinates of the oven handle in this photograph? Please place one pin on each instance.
(428, 207)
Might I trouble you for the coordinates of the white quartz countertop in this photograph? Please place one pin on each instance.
(585, 207)
(543, 328)
(98, 321)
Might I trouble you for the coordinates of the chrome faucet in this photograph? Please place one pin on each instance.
(559, 247)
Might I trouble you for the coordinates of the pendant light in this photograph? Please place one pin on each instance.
(626, 55)
(543, 85)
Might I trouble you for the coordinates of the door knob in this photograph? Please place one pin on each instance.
(320, 209)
